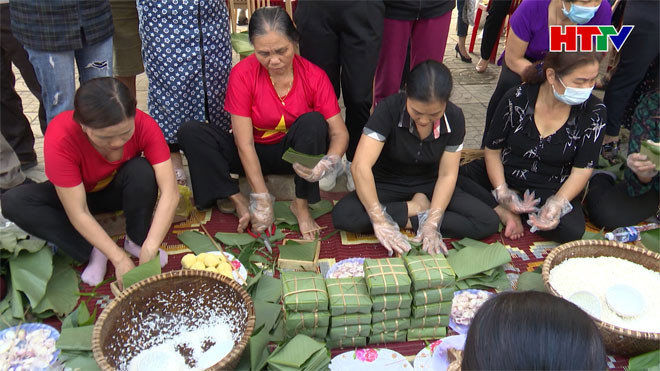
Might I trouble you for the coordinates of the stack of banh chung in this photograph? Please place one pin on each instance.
(433, 282)
(305, 300)
(350, 310)
(389, 287)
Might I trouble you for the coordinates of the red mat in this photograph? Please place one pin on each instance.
(527, 254)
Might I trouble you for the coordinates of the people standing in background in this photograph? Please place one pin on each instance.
(58, 33)
(461, 32)
(636, 55)
(343, 38)
(530, 41)
(14, 125)
(496, 14)
(186, 51)
(126, 44)
(422, 24)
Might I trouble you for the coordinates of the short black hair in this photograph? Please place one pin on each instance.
(532, 330)
(272, 18)
(429, 81)
(103, 102)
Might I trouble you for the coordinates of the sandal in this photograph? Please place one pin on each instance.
(180, 175)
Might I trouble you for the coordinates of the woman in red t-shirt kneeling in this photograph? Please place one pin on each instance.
(277, 100)
(94, 164)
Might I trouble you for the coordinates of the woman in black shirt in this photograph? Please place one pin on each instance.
(409, 153)
(545, 138)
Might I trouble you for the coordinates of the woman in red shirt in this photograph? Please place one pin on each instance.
(277, 100)
(94, 164)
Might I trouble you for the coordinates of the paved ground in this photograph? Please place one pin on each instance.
(472, 92)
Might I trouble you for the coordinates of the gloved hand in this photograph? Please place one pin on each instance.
(327, 165)
(641, 166)
(387, 231)
(510, 200)
(262, 214)
(428, 232)
(548, 217)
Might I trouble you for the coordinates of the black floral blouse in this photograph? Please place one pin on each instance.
(534, 162)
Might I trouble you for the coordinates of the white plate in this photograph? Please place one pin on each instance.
(237, 269)
(588, 302)
(423, 359)
(624, 300)
(373, 359)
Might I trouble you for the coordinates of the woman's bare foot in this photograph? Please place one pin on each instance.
(513, 227)
(177, 163)
(418, 204)
(308, 227)
(242, 211)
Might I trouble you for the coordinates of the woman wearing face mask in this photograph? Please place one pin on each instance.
(545, 138)
(530, 39)
(406, 167)
(277, 100)
(94, 164)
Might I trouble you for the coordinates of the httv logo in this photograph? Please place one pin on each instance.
(567, 36)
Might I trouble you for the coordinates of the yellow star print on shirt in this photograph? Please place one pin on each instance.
(280, 128)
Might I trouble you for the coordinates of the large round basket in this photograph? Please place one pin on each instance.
(184, 296)
(617, 340)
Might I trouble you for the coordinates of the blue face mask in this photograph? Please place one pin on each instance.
(572, 96)
(579, 14)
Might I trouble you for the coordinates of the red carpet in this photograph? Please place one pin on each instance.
(527, 254)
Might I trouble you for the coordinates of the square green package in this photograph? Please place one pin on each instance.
(386, 276)
(391, 301)
(346, 342)
(390, 326)
(388, 337)
(434, 295)
(434, 309)
(430, 321)
(432, 333)
(429, 271)
(304, 292)
(348, 295)
(350, 319)
(295, 321)
(349, 331)
(301, 353)
(314, 332)
(386, 315)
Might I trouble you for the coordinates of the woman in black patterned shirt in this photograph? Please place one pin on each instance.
(545, 138)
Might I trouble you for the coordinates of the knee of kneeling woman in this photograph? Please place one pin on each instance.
(571, 233)
(142, 176)
(187, 130)
(11, 204)
(485, 226)
(313, 126)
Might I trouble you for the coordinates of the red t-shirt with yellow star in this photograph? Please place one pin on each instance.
(250, 93)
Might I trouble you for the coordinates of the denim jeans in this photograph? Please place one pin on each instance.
(55, 72)
(461, 26)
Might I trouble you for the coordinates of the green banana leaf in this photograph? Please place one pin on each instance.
(266, 314)
(294, 250)
(269, 289)
(648, 361)
(242, 239)
(240, 42)
(476, 257)
(309, 161)
(652, 152)
(30, 273)
(297, 352)
(75, 338)
(284, 215)
(197, 242)
(60, 294)
(530, 281)
(141, 272)
(588, 235)
(651, 239)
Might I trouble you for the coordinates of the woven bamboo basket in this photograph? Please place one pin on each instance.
(191, 295)
(469, 155)
(617, 340)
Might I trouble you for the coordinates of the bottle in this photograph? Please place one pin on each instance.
(629, 234)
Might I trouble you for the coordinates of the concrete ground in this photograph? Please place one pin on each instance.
(471, 92)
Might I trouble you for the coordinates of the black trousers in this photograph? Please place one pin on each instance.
(343, 38)
(494, 20)
(465, 216)
(571, 226)
(507, 80)
(212, 155)
(15, 127)
(609, 205)
(636, 54)
(37, 209)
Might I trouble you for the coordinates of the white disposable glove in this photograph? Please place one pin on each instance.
(428, 232)
(548, 217)
(262, 213)
(510, 200)
(327, 165)
(387, 231)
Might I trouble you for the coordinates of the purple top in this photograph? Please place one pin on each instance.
(530, 23)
